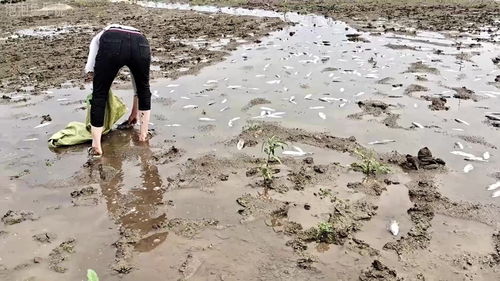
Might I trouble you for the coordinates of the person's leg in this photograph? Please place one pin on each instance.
(139, 67)
(106, 68)
(132, 119)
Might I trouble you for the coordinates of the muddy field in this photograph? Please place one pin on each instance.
(389, 171)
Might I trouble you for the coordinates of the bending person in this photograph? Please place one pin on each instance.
(111, 49)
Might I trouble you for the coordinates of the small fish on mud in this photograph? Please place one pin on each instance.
(240, 144)
(486, 155)
(172, 85)
(462, 121)
(494, 186)
(316, 107)
(496, 194)
(32, 139)
(173, 125)
(189, 106)
(342, 105)
(468, 168)
(234, 87)
(267, 108)
(292, 100)
(341, 90)
(394, 227)
(212, 81)
(459, 145)
(223, 101)
(418, 125)
(308, 97)
(359, 94)
(260, 75)
(206, 119)
(493, 118)
(224, 108)
(322, 115)
(230, 123)
(296, 152)
(63, 99)
(155, 94)
(42, 125)
(381, 142)
(468, 156)
(271, 82)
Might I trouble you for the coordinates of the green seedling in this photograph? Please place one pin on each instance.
(369, 165)
(269, 147)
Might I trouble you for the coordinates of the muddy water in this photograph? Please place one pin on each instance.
(315, 58)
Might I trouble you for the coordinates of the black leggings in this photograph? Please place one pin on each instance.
(118, 48)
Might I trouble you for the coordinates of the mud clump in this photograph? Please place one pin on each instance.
(371, 187)
(378, 271)
(424, 160)
(465, 94)
(356, 37)
(437, 103)
(254, 207)
(60, 254)
(86, 196)
(169, 156)
(419, 67)
(255, 102)
(46, 237)
(190, 228)
(415, 88)
(15, 217)
(377, 108)
(477, 140)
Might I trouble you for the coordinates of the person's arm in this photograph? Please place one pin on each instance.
(94, 48)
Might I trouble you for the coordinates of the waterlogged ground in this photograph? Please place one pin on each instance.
(191, 206)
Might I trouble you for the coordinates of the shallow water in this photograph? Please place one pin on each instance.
(278, 68)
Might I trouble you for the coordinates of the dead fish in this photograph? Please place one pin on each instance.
(32, 139)
(486, 155)
(464, 154)
(63, 99)
(287, 67)
(458, 129)
(381, 142)
(371, 76)
(459, 145)
(267, 108)
(223, 101)
(224, 108)
(276, 115)
(172, 85)
(155, 93)
(206, 119)
(273, 82)
(308, 74)
(212, 103)
(462, 121)
(240, 144)
(260, 75)
(296, 152)
(190, 106)
(494, 186)
(322, 115)
(308, 97)
(185, 98)
(342, 105)
(418, 125)
(285, 89)
(492, 117)
(171, 91)
(394, 228)
(234, 87)
(230, 123)
(316, 107)
(173, 125)
(292, 100)
(496, 194)
(341, 90)
(42, 125)
(468, 168)
(212, 81)
(359, 94)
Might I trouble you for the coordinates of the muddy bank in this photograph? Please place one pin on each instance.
(182, 42)
(462, 16)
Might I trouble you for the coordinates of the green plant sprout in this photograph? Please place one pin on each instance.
(369, 165)
(269, 147)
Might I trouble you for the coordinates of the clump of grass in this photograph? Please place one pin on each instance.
(269, 147)
(369, 165)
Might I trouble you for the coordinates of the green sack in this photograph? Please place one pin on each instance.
(78, 132)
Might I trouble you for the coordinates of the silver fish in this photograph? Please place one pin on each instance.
(494, 186)
(33, 139)
(273, 82)
(418, 125)
(308, 97)
(496, 194)
(486, 155)
(468, 168)
(42, 125)
(223, 101)
(322, 115)
(459, 145)
(234, 87)
(224, 108)
(190, 106)
(394, 228)
(316, 107)
(173, 125)
(230, 123)
(172, 85)
(206, 119)
(267, 108)
(292, 100)
(381, 142)
(240, 144)
(462, 121)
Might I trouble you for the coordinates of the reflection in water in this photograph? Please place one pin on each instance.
(135, 209)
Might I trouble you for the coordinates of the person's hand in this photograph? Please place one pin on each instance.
(89, 76)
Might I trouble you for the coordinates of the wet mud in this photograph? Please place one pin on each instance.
(194, 203)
